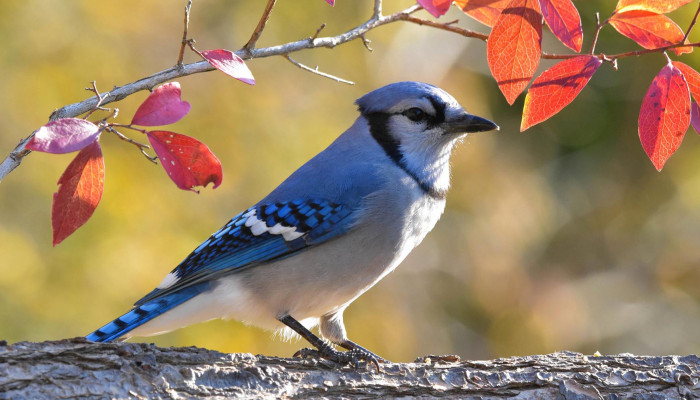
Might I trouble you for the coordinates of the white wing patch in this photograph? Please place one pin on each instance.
(258, 227)
(168, 281)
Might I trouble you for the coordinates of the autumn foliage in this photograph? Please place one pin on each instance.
(187, 161)
(513, 52)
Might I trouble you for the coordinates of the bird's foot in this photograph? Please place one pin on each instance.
(341, 357)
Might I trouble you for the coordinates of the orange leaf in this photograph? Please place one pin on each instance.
(80, 190)
(514, 47)
(649, 30)
(655, 6)
(484, 11)
(691, 76)
(564, 21)
(556, 88)
(665, 115)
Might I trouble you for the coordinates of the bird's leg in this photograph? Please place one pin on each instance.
(325, 350)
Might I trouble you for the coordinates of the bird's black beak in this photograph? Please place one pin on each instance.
(467, 123)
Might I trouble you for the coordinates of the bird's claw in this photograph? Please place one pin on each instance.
(341, 357)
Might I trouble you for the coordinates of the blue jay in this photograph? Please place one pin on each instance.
(327, 234)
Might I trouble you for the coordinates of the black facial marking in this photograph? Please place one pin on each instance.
(378, 127)
(439, 106)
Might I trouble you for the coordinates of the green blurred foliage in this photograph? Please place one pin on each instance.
(563, 237)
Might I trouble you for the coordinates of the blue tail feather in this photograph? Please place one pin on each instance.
(143, 313)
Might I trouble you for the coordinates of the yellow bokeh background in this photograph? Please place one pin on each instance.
(560, 238)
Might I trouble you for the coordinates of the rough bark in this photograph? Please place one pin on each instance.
(76, 368)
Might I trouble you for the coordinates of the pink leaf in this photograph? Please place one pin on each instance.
(230, 64)
(665, 115)
(162, 107)
(64, 135)
(79, 192)
(564, 21)
(435, 7)
(695, 117)
(187, 161)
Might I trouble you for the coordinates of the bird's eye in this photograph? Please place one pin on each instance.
(415, 114)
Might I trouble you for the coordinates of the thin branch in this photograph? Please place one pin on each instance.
(450, 27)
(692, 24)
(598, 27)
(377, 12)
(318, 32)
(316, 71)
(181, 56)
(15, 157)
(100, 99)
(261, 25)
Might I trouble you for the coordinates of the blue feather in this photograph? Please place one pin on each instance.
(232, 248)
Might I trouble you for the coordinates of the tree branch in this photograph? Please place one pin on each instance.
(261, 25)
(316, 71)
(78, 368)
(181, 56)
(15, 157)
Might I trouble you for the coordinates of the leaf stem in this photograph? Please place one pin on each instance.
(142, 147)
(598, 27)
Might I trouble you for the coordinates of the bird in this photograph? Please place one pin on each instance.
(329, 232)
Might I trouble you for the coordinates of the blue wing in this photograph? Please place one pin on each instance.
(263, 233)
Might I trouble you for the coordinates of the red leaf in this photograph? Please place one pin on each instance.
(230, 64)
(665, 115)
(484, 11)
(564, 21)
(435, 7)
(691, 76)
(331, 2)
(163, 106)
(655, 6)
(695, 117)
(649, 30)
(187, 161)
(64, 135)
(556, 88)
(514, 46)
(79, 192)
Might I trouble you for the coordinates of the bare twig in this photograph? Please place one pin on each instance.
(316, 71)
(598, 27)
(447, 27)
(100, 99)
(366, 42)
(261, 25)
(181, 56)
(377, 13)
(692, 24)
(318, 32)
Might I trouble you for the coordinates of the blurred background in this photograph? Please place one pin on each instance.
(560, 238)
